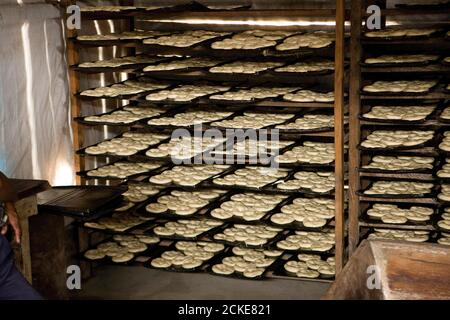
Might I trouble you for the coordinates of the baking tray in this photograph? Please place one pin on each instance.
(439, 140)
(239, 275)
(145, 224)
(300, 143)
(210, 182)
(439, 187)
(83, 202)
(367, 231)
(316, 88)
(84, 174)
(246, 102)
(268, 70)
(440, 236)
(432, 194)
(142, 11)
(170, 214)
(108, 260)
(296, 225)
(201, 237)
(299, 51)
(185, 109)
(302, 74)
(395, 153)
(438, 33)
(134, 96)
(264, 110)
(297, 251)
(268, 245)
(396, 64)
(432, 115)
(187, 50)
(201, 184)
(301, 114)
(440, 164)
(281, 273)
(234, 7)
(399, 94)
(430, 143)
(439, 218)
(82, 152)
(190, 102)
(239, 220)
(121, 68)
(273, 187)
(442, 120)
(195, 159)
(376, 222)
(161, 249)
(425, 6)
(244, 159)
(97, 123)
(165, 73)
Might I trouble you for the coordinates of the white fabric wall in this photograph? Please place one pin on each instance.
(35, 139)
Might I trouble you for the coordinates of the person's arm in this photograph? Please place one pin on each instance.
(8, 195)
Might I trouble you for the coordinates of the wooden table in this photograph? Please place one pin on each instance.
(26, 207)
(395, 270)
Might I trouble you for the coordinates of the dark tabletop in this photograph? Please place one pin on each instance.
(27, 188)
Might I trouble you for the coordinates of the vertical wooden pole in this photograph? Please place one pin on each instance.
(354, 125)
(75, 104)
(339, 132)
(77, 130)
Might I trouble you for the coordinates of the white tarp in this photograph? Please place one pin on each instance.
(35, 139)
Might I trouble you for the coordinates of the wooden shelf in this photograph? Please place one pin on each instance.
(230, 15)
(405, 200)
(414, 176)
(397, 226)
(430, 69)
(252, 19)
(359, 74)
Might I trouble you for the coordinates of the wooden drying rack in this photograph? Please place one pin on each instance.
(338, 15)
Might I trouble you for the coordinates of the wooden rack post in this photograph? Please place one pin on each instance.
(75, 104)
(354, 132)
(339, 79)
(339, 86)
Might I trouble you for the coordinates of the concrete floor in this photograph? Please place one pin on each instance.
(118, 282)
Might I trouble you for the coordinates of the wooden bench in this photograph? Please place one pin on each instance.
(395, 270)
(26, 207)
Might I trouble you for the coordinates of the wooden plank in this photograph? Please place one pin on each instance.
(339, 128)
(354, 125)
(399, 200)
(351, 282)
(405, 271)
(394, 176)
(25, 209)
(49, 255)
(413, 271)
(27, 188)
(75, 103)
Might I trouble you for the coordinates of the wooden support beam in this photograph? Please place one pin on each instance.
(339, 87)
(354, 125)
(75, 103)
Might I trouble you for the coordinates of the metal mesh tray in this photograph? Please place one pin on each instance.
(81, 202)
